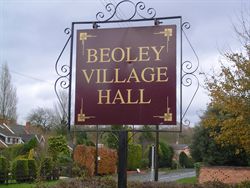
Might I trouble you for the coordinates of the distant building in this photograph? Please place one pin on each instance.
(17, 134)
(178, 148)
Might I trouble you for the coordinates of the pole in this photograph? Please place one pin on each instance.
(122, 163)
(156, 152)
(96, 150)
(152, 163)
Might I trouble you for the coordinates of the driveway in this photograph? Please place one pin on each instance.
(163, 176)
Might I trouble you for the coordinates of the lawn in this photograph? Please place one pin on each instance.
(28, 185)
(191, 180)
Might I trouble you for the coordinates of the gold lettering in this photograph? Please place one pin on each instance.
(88, 77)
(162, 71)
(157, 52)
(129, 97)
(102, 96)
(105, 81)
(92, 53)
(142, 98)
(114, 51)
(152, 75)
(98, 76)
(129, 56)
(104, 52)
(119, 97)
(117, 77)
(133, 75)
(143, 53)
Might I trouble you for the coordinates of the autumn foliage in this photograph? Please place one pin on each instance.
(108, 161)
(84, 156)
(229, 115)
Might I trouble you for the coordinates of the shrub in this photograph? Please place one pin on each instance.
(28, 146)
(134, 156)
(245, 184)
(84, 157)
(55, 173)
(3, 169)
(46, 168)
(108, 161)
(185, 161)
(21, 170)
(32, 169)
(57, 145)
(174, 165)
(197, 167)
(145, 163)
(190, 163)
(78, 171)
(64, 164)
(167, 153)
(216, 184)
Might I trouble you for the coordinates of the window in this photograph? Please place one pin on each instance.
(8, 140)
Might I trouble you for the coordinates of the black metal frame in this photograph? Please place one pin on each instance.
(187, 69)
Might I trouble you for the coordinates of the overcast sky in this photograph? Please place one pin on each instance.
(31, 38)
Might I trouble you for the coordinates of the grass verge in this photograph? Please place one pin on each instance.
(28, 185)
(191, 180)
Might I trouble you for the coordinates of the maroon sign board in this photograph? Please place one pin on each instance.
(126, 76)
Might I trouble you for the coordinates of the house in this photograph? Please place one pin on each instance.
(8, 137)
(17, 134)
(178, 148)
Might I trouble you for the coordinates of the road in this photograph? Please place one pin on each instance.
(163, 176)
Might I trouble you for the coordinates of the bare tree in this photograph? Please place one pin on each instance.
(61, 109)
(49, 118)
(43, 117)
(8, 97)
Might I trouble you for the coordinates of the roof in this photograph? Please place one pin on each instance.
(6, 131)
(3, 145)
(179, 146)
(27, 137)
(18, 129)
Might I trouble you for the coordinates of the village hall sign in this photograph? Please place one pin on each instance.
(126, 76)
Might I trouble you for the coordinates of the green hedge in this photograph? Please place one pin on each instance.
(46, 168)
(3, 169)
(32, 169)
(24, 170)
(166, 155)
(134, 156)
(21, 170)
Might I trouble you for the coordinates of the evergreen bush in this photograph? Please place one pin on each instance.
(197, 167)
(134, 156)
(167, 153)
(21, 170)
(185, 161)
(46, 168)
(3, 169)
(32, 169)
(174, 165)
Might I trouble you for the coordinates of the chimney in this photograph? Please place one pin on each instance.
(27, 127)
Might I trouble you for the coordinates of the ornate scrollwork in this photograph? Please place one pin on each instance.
(186, 25)
(188, 74)
(186, 122)
(138, 9)
(63, 71)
